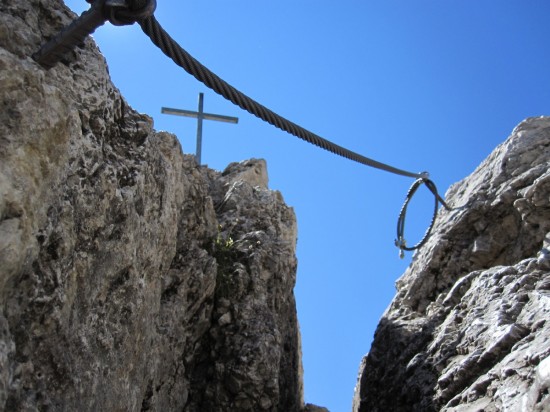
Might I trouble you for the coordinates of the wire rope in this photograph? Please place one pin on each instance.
(152, 28)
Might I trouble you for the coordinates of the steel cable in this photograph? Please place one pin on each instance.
(152, 28)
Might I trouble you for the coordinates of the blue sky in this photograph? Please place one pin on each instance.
(422, 85)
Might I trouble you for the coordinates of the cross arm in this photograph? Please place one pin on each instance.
(206, 116)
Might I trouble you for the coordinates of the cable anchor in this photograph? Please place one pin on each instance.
(117, 12)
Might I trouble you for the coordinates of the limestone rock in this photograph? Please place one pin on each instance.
(314, 408)
(130, 278)
(468, 329)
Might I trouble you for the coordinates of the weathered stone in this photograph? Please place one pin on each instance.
(130, 278)
(314, 408)
(468, 329)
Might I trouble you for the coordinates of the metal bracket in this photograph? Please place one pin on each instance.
(118, 12)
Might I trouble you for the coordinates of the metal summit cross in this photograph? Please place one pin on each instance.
(200, 116)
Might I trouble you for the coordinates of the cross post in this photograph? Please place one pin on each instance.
(200, 116)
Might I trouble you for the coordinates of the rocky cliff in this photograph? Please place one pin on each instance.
(130, 278)
(469, 328)
(133, 280)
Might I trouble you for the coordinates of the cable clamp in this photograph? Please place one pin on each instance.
(127, 12)
(401, 243)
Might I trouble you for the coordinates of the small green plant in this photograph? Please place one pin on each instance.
(222, 243)
(225, 255)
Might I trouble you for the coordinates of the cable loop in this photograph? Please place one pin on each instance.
(400, 242)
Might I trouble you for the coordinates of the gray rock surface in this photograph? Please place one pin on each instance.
(130, 278)
(469, 328)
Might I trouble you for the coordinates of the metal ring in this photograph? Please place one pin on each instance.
(400, 242)
(125, 16)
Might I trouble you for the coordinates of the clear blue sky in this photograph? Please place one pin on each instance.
(423, 85)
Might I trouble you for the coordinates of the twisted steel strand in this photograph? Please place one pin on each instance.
(152, 28)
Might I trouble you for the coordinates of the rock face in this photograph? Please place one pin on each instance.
(469, 328)
(130, 278)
